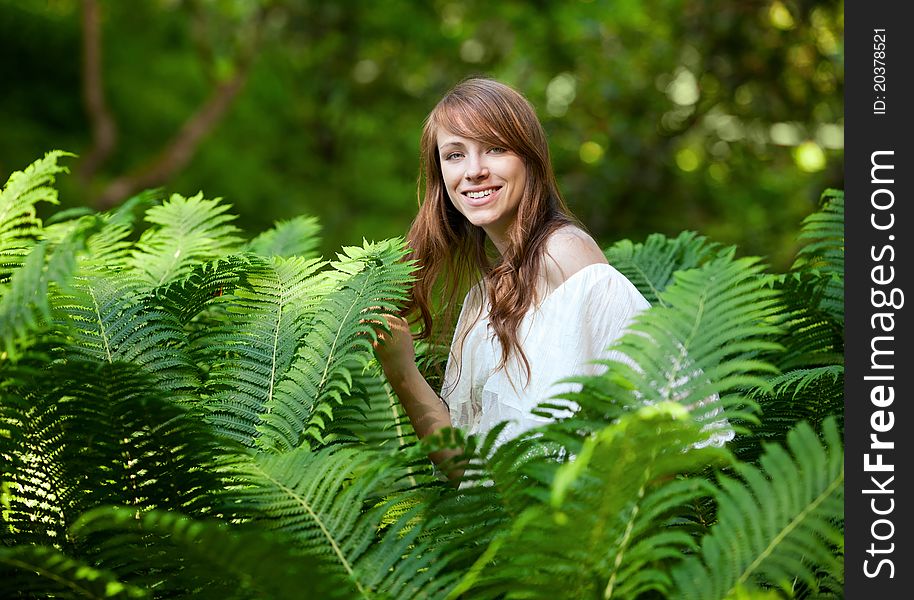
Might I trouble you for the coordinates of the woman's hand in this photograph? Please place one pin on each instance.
(395, 350)
(427, 413)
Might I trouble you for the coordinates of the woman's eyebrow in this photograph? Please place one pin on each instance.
(450, 143)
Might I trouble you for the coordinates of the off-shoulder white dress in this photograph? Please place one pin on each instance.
(572, 326)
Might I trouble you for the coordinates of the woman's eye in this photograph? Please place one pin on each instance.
(453, 155)
(497, 150)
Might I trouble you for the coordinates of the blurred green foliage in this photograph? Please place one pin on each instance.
(724, 116)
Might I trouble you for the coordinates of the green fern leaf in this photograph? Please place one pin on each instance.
(812, 305)
(295, 237)
(775, 526)
(24, 306)
(371, 414)
(208, 281)
(823, 234)
(109, 318)
(801, 379)
(184, 231)
(813, 326)
(20, 228)
(818, 272)
(317, 499)
(110, 247)
(650, 265)
(337, 345)
(600, 531)
(83, 434)
(267, 317)
(183, 557)
(24, 301)
(330, 503)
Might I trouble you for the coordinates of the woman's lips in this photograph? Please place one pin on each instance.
(476, 202)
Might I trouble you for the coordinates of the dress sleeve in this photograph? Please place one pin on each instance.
(608, 309)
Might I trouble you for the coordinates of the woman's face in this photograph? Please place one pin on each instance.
(485, 183)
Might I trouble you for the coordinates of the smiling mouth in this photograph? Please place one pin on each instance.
(481, 196)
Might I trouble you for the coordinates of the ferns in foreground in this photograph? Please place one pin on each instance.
(778, 526)
(810, 386)
(193, 415)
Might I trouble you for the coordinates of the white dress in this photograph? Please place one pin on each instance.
(570, 328)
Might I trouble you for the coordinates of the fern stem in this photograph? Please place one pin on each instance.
(281, 303)
(101, 324)
(336, 339)
(336, 548)
(649, 280)
(607, 594)
(167, 272)
(788, 529)
(623, 544)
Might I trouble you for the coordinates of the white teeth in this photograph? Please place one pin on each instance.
(482, 194)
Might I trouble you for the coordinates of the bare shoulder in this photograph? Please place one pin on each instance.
(568, 250)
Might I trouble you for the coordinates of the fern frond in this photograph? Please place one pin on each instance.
(268, 316)
(43, 572)
(20, 228)
(823, 234)
(109, 318)
(799, 380)
(181, 557)
(813, 333)
(371, 414)
(329, 501)
(777, 524)
(810, 395)
(455, 528)
(601, 531)
(650, 265)
(186, 298)
(703, 341)
(812, 305)
(338, 344)
(296, 237)
(82, 435)
(110, 247)
(316, 498)
(24, 305)
(184, 231)
(107, 249)
(813, 292)
(820, 262)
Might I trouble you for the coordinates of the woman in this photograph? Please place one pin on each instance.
(542, 307)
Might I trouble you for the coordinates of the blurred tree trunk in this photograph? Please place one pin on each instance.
(177, 152)
(180, 149)
(104, 128)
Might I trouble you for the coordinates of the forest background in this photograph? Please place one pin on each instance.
(721, 116)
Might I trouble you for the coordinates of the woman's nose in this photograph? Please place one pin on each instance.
(476, 169)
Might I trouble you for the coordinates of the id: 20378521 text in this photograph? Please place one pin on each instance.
(879, 74)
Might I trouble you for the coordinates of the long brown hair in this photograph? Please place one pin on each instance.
(442, 239)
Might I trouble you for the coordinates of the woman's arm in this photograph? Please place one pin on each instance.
(425, 409)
